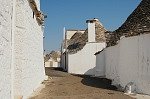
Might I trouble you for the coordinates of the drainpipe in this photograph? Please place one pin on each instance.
(12, 47)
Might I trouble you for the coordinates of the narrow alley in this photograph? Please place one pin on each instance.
(61, 85)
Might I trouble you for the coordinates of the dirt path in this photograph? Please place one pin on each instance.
(61, 85)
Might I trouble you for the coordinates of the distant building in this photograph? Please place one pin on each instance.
(52, 63)
(68, 34)
(21, 48)
(78, 56)
(52, 59)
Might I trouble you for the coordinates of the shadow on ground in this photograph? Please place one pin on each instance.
(97, 82)
(54, 72)
(62, 85)
(86, 79)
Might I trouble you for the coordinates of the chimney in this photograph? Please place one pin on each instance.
(91, 30)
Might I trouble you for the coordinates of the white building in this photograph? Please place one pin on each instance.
(68, 34)
(21, 48)
(79, 57)
(52, 63)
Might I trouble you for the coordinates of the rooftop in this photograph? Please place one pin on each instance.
(137, 23)
(78, 40)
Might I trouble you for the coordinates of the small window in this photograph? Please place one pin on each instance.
(33, 15)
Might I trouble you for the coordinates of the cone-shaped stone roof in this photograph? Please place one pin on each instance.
(137, 23)
(78, 41)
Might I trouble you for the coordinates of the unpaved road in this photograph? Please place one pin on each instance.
(61, 85)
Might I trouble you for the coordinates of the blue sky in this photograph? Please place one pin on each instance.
(73, 14)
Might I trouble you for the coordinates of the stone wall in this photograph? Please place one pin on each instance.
(5, 48)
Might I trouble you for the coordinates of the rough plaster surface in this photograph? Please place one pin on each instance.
(112, 63)
(84, 62)
(29, 66)
(129, 61)
(100, 64)
(91, 32)
(28, 50)
(5, 48)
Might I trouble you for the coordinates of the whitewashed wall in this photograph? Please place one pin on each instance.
(54, 64)
(22, 73)
(84, 61)
(112, 63)
(47, 64)
(100, 64)
(5, 48)
(29, 63)
(129, 61)
(134, 57)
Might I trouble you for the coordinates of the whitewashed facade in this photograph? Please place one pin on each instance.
(5, 48)
(64, 55)
(84, 61)
(127, 62)
(52, 63)
(21, 49)
(100, 64)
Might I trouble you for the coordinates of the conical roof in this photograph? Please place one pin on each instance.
(137, 23)
(139, 20)
(77, 43)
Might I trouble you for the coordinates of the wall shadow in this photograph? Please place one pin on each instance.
(97, 82)
(90, 71)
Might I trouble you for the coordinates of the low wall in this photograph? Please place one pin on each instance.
(129, 61)
(112, 63)
(135, 62)
(100, 64)
(84, 61)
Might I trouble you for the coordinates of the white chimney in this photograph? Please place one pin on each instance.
(91, 30)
